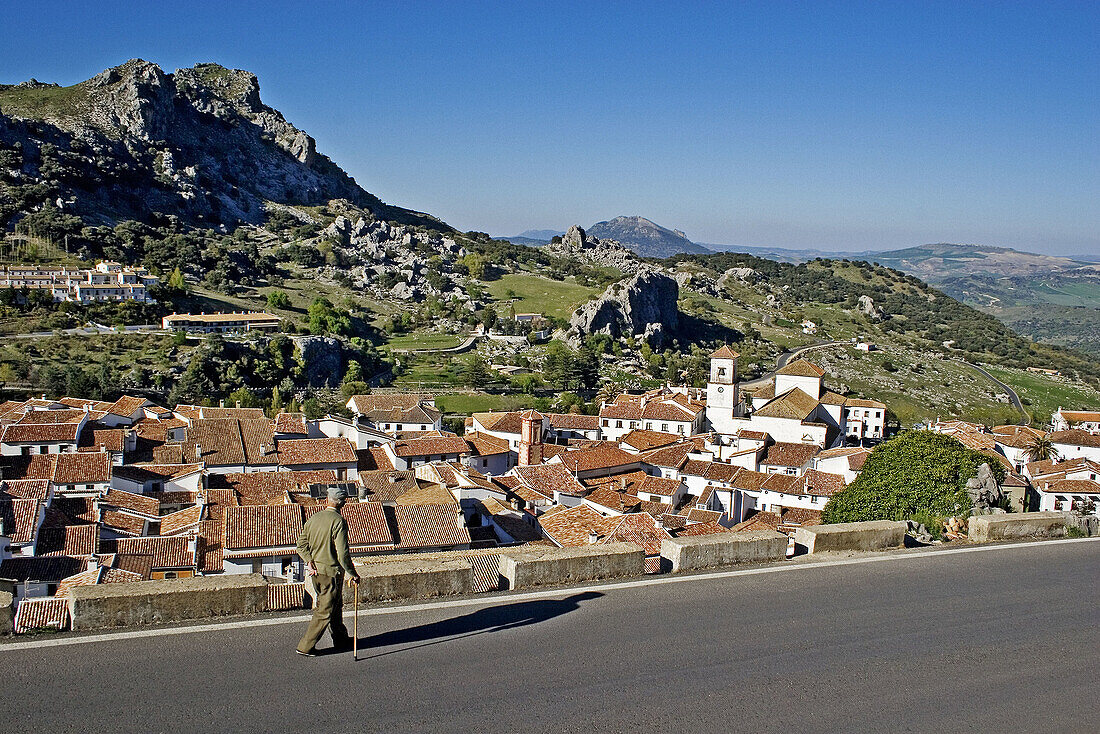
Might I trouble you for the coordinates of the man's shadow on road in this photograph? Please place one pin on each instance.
(487, 619)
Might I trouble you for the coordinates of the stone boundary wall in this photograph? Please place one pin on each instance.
(722, 549)
(851, 536)
(545, 566)
(159, 602)
(1014, 525)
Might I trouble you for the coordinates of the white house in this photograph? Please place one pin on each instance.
(1085, 420)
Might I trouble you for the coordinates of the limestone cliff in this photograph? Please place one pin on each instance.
(642, 306)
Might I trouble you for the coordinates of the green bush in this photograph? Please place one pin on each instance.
(918, 475)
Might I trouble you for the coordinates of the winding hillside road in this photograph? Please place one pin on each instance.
(1025, 417)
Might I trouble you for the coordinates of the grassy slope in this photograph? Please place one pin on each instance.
(1046, 394)
(535, 294)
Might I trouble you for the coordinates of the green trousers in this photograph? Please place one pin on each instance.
(328, 613)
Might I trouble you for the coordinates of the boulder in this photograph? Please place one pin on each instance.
(323, 357)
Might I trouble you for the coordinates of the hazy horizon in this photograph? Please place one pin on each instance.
(853, 126)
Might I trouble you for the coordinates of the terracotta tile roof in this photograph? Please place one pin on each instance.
(701, 528)
(167, 552)
(724, 352)
(90, 468)
(644, 440)
(122, 522)
(369, 404)
(96, 439)
(40, 433)
(224, 442)
(198, 412)
(573, 421)
(426, 526)
(268, 487)
(863, 403)
(749, 480)
(181, 521)
(407, 448)
(367, 525)
(697, 515)
(841, 451)
(427, 493)
(1080, 416)
(624, 481)
(639, 529)
(546, 479)
(624, 502)
(789, 454)
(97, 405)
(137, 503)
(801, 368)
(308, 451)
(822, 484)
(284, 597)
(792, 405)
(27, 489)
(68, 540)
(294, 423)
(856, 461)
(752, 435)
(1071, 486)
(671, 457)
(484, 444)
(262, 526)
(209, 546)
(1075, 437)
(658, 485)
(387, 486)
(571, 527)
(127, 406)
(20, 519)
(77, 509)
(373, 459)
(95, 576)
(671, 410)
(152, 472)
(600, 456)
(507, 422)
(155, 429)
(48, 613)
(51, 417)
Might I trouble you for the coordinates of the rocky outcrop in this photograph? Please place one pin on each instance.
(642, 306)
(746, 275)
(322, 358)
(984, 492)
(866, 305)
(576, 244)
(198, 144)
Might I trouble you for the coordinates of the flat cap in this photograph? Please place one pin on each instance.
(336, 494)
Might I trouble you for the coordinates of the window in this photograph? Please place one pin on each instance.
(680, 428)
(664, 427)
(605, 422)
(618, 424)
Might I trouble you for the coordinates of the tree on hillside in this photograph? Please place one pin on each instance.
(475, 372)
(916, 474)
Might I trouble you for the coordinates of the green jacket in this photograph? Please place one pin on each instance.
(324, 541)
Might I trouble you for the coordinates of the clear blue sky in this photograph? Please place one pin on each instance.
(813, 124)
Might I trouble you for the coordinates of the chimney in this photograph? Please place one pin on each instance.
(198, 451)
(593, 537)
(221, 403)
(91, 564)
(2, 527)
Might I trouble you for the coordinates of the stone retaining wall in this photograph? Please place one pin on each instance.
(161, 602)
(722, 549)
(851, 536)
(412, 579)
(544, 566)
(985, 528)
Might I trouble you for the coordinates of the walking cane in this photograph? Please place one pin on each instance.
(355, 624)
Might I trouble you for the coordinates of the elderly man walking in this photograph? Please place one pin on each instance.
(323, 545)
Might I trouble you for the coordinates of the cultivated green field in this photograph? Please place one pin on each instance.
(425, 340)
(466, 403)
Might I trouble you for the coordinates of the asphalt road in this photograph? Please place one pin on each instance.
(1001, 640)
(1012, 396)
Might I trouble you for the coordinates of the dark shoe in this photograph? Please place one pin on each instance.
(310, 653)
